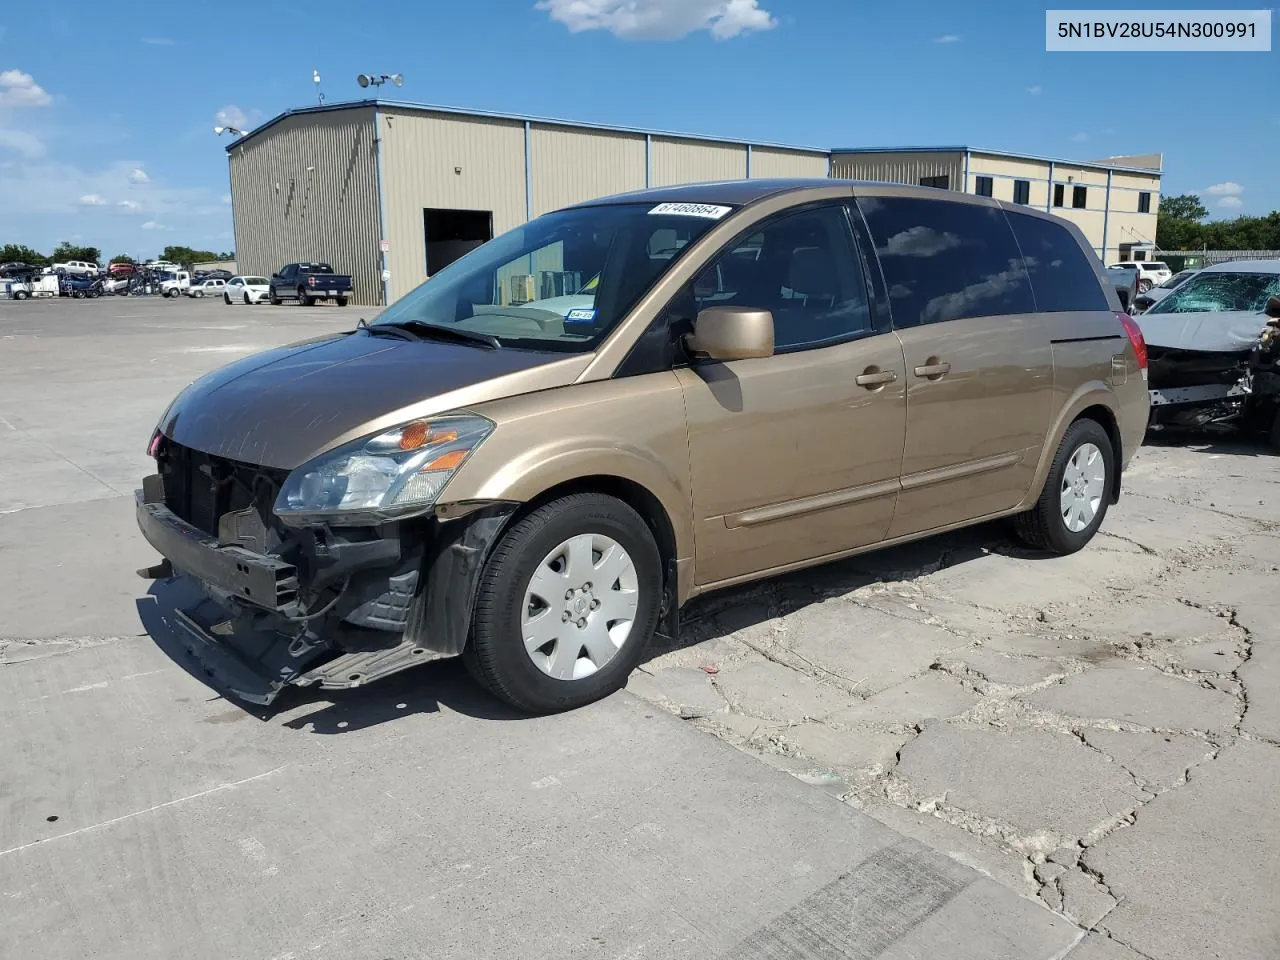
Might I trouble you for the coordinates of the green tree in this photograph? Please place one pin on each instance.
(69, 251)
(1186, 206)
(21, 253)
(187, 256)
(122, 258)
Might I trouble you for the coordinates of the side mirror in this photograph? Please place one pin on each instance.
(1272, 309)
(732, 333)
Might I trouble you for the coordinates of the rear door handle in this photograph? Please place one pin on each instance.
(873, 378)
(935, 369)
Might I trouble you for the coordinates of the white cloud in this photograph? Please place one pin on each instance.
(226, 198)
(1231, 203)
(26, 144)
(1079, 137)
(129, 206)
(92, 200)
(159, 41)
(153, 225)
(138, 175)
(661, 19)
(18, 89)
(1228, 188)
(1035, 91)
(947, 38)
(232, 116)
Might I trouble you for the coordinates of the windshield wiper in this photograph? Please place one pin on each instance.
(441, 332)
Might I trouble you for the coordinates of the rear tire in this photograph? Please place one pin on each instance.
(507, 603)
(1144, 286)
(1076, 493)
(303, 300)
(340, 301)
(21, 295)
(1275, 432)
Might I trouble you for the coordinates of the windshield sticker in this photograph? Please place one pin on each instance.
(707, 211)
(580, 317)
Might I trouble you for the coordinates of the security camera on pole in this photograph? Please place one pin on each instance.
(378, 79)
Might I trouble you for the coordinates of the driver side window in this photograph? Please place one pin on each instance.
(803, 268)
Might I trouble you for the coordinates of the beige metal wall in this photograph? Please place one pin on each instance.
(675, 161)
(571, 165)
(437, 161)
(772, 162)
(899, 167)
(285, 212)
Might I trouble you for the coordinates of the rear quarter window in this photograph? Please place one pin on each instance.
(1062, 278)
(944, 260)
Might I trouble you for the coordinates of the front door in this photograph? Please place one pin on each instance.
(979, 365)
(794, 457)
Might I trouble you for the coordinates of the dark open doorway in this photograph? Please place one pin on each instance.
(450, 234)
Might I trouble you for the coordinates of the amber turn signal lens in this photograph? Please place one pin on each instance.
(448, 461)
(414, 435)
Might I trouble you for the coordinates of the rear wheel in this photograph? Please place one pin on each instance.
(1076, 493)
(340, 301)
(1144, 286)
(303, 299)
(21, 295)
(567, 604)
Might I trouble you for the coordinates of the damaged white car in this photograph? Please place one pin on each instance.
(1199, 340)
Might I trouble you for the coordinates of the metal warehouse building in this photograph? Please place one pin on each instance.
(392, 192)
(339, 183)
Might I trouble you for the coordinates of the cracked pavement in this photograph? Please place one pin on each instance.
(1098, 735)
(1099, 732)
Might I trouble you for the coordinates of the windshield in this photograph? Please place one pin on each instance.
(562, 282)
(256, 281)
(1176, 279)
(1221, 292)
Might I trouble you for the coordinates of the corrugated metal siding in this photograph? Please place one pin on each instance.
(286, 213)
(422, 156)
(570, 166)
(767, 162)
(906, 168)
(691, 161)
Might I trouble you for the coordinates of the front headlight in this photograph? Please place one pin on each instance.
(394, 474)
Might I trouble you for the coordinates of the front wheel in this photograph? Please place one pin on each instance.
(567, 604)
(1076, 494)
(271, 295)
(247, 301)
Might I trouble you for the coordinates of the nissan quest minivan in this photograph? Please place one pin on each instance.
(536, 458)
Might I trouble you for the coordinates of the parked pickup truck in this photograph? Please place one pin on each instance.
(309, 282)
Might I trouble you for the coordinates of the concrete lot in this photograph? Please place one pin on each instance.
(968, 750)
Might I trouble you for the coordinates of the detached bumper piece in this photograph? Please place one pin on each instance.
(263, 581)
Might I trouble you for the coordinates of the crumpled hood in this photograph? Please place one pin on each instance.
(284, 406)
(1227, 332)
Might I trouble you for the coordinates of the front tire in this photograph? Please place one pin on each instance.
(247, 301)
(567, 604)
(1076, 493)
(271, 295)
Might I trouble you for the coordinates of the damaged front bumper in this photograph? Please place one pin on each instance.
(327, 607)
(1194, 388)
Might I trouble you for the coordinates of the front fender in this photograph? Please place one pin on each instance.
(526, 476)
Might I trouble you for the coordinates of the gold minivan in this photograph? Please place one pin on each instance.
(535, 459)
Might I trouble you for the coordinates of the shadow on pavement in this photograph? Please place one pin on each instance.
(726, 611)
(422, 689)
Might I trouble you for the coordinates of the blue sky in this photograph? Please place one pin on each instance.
(106, 119)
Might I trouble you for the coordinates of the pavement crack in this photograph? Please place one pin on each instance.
(1149, 551)
(1242, 697)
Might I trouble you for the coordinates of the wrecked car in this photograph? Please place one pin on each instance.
(1262, 409)
(1200, 338)
(539, 485)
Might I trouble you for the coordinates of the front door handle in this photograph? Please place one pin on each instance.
(872, 378)
(934, 369)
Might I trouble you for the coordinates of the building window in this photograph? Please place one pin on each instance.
(1022, 191)
(943, 182)
(1144, 202)
(1058, 190)
(1079, 196)
(985, 187)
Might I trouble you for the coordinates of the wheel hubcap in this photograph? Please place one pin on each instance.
(580, 606)
(1083, 484)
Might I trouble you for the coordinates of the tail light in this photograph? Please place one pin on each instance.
(153, 448)
(311, 281)
(1136, 338)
